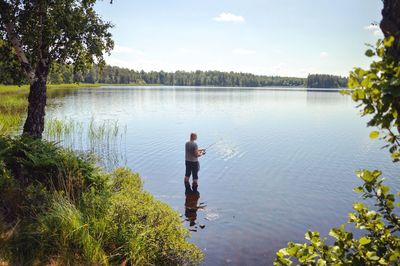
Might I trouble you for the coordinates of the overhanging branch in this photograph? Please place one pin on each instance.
(13, 38)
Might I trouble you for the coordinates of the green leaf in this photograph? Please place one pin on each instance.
(385, 189)
(393, 257)
(369, 53)
(374, 134)
(292, 251)
(388, 42)
(376, 173)
(395, 155)
(358, 189)
(360, 72)
(353, 83)
(372, 255)
(364, 241)
(358, 206)
(374, 258)
(361, 94)
(345, 92)
(368, 177)
(352, 217)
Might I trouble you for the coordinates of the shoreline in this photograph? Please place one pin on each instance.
(18, 89)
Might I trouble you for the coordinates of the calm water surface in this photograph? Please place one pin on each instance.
(284, 161)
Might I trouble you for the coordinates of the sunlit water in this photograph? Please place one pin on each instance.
(282, 162)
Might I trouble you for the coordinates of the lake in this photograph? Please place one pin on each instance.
(281, 162)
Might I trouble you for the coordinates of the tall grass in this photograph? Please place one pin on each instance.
(104, 138)
(59, 208)
(10, 123)
(12, 110)
(14, 102)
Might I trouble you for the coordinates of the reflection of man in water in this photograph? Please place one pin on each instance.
(192, 153)
(192, 198)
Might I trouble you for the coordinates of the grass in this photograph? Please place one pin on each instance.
(14, 102)
(59, 208)
(9, 123)
(103, 138)
(100, 138)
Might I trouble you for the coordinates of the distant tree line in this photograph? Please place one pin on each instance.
(117, 75)
(325, 81)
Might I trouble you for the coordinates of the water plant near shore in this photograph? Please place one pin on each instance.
(104, 138)
(14, 103)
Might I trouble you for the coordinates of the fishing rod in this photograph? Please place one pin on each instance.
(211, 145)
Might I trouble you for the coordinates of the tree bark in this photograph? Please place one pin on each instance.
(390, 26)
(34, 124)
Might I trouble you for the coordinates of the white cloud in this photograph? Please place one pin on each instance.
(139, 64)
(323, 55)
(241, 51)
(289, 69)
(229, 17)
(188, 51)
(118, 49)
(372, 27)
(375, 29)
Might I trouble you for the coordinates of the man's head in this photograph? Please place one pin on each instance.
(193, 136)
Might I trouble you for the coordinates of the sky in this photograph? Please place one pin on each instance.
(265, 37)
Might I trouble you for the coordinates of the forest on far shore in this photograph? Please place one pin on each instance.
(65, 74)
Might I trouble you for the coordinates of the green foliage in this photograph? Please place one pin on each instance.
(380, 246)
(326, 81)
(67, 32)
(14, 103)
(64, 73)
(63, 232)
(117, 75)
(378, 92)
(59, 208)
(8, 64)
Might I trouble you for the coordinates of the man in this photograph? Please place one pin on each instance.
(192, 153)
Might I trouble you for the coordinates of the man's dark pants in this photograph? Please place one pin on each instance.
(192, 168)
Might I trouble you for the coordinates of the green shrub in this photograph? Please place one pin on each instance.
(379, 246)
(58, 207)
(377, 91)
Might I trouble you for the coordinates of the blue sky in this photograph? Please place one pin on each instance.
(269, 37)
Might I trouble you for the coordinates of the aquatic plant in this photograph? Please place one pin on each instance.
(9, 123)
(14, 103)
(103, 138)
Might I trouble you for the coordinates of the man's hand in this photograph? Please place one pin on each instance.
(201, 152)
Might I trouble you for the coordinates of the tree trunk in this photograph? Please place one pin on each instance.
(390, 26)
(34, 124)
